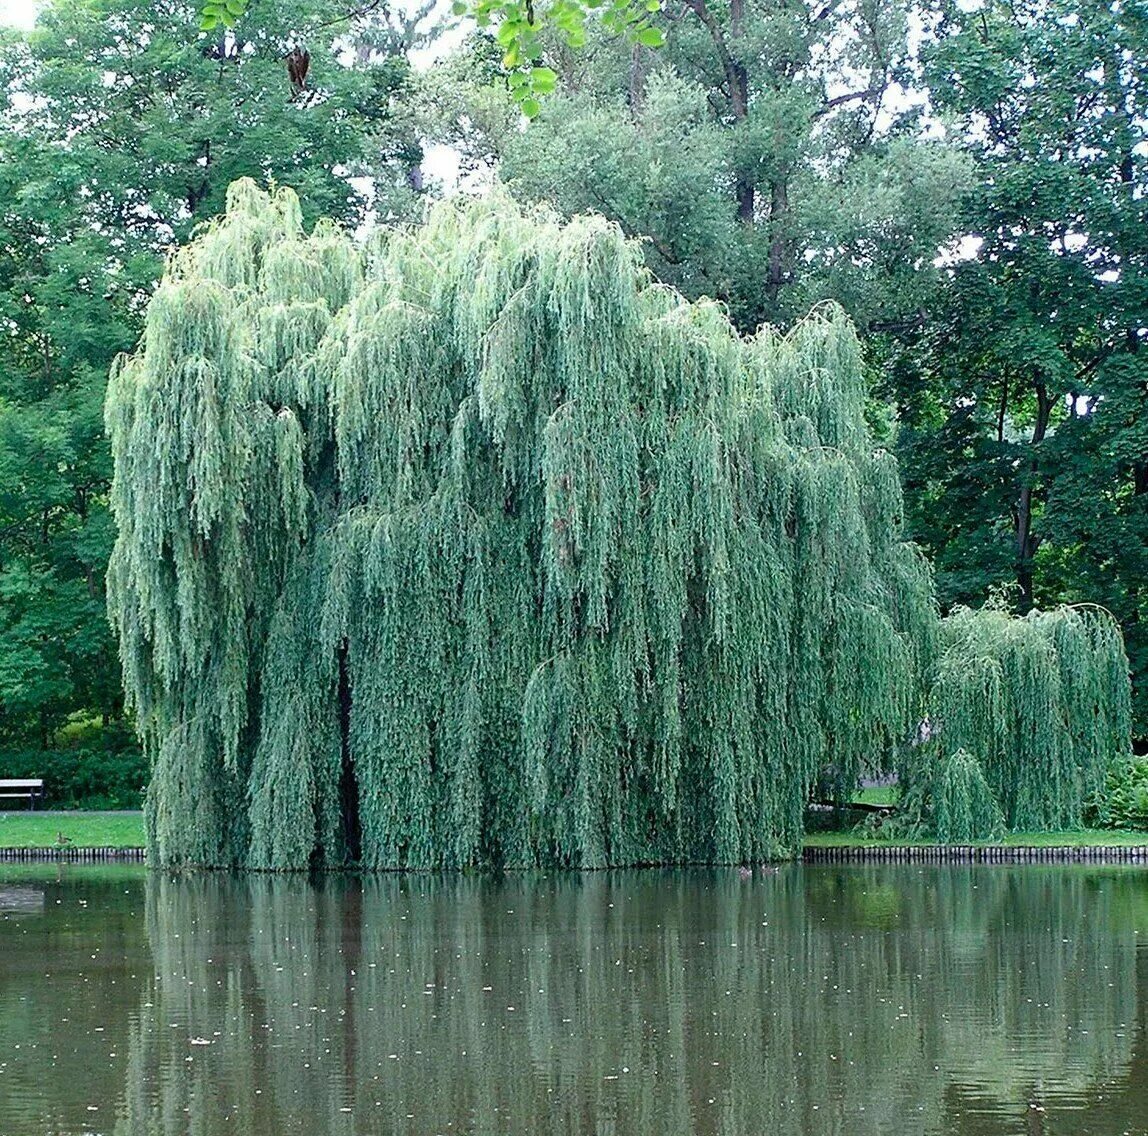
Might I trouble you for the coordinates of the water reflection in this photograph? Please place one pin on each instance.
(883, 1000)
(17, 900)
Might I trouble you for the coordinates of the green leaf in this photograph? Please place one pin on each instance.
(516, 79)
(208, 20)
(543, 80)
(651, 37)
(530, 107)
(507, 32)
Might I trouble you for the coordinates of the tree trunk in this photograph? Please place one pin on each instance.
(637, 86)
(745, 190)
(1027, 541)
(352, 831)
(737, 79)
(778, 208)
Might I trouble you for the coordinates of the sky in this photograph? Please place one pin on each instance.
(22, 13)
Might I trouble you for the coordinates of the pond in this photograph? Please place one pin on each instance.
(853, 1000)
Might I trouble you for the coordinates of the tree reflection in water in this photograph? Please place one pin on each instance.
(959, 1000)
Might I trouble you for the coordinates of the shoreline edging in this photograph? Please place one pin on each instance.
(824, 854)
(977, 854)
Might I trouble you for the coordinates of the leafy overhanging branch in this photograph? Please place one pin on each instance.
(519, 27)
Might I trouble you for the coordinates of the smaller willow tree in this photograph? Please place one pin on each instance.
(1039, 706)
(480, 547)
(963, 805)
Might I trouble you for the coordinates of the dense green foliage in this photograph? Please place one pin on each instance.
(535, 559)
(109, 775)
(119, 133)
(964, 807)
(767, 153)
(1021, 399)
(482, 547)
(1123, 803)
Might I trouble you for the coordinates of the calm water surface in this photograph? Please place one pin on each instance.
(961, 1000)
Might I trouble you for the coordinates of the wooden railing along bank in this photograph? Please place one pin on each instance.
(977, 854)
(73, 855)
(845, 854)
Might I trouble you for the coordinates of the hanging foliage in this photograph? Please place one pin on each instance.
(964, 807)
(480, 547)
(1040, 704)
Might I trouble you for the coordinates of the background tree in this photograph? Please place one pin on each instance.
(772, 154)
(1022, 400)
(119, 132)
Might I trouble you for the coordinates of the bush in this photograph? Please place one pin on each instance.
(111, 775)
(1124, 803)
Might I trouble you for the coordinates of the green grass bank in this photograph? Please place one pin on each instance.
(44, 829)
(125, 830)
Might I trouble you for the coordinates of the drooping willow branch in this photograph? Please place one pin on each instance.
(480, 547)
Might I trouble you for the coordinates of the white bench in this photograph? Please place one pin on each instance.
(26, 788)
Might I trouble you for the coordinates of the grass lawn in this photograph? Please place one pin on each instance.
(1110, 838)
(85, 830)
(125, 830)
(886, 795)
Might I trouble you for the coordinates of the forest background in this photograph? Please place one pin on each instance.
(969, 181)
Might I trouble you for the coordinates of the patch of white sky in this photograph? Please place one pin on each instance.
(442, 163)
(18, 13)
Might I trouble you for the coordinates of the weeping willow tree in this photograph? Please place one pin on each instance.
(1041, 705)
(480, 547)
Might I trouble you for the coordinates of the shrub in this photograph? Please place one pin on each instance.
(108, 776)
(1124, 802)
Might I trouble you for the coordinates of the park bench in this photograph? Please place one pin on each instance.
(29, 788)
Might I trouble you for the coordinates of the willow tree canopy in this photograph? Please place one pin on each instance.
(1041, 702)
(480, 547)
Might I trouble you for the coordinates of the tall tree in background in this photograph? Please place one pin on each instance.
(1024, 440)
(119, 132)
(772, 153)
